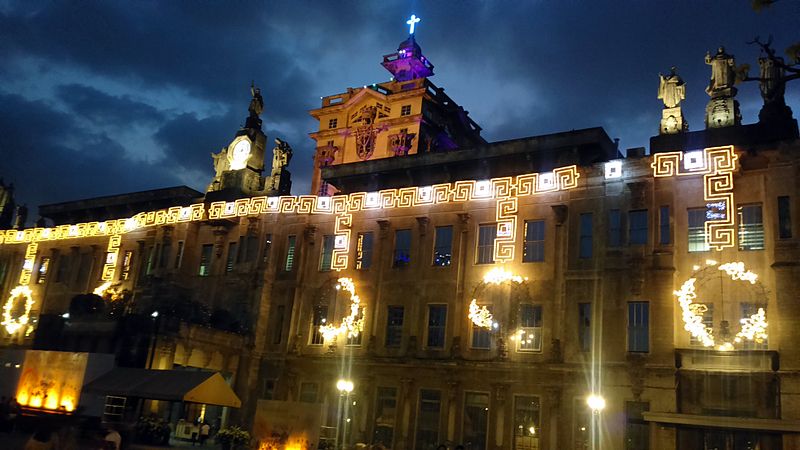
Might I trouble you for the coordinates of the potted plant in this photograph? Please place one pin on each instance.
(233, 438)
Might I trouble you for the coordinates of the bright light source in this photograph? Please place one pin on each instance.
(154, 315)
(693, 160)
(596, 402)
(613, 170)
(65, 316)
(531, 430)
(344, 386)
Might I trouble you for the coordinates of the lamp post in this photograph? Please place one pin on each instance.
(345, 387)
(597, 404)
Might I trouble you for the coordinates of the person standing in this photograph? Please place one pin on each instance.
(205, 431)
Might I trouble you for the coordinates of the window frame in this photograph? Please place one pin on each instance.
(534, 242)
(586, 235)
(206, 262)
(326, 252)
(634, 329)
(364, 253)
(693, 232)
(757, 229)
(784, 210)
(638, 234)
(437, 246)
(443, 326)
(291, 253)
(397, 252)
(537, 318)
(483, 249)
(393, 328)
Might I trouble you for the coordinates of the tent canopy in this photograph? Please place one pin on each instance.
(171, 385)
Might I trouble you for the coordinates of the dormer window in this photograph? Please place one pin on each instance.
(333, 123)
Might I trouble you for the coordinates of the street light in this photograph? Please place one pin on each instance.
(596, 403)
(345, 387)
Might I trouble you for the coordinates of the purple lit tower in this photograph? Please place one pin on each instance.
(408, 63)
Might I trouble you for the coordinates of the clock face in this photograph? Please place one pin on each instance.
(240, 154)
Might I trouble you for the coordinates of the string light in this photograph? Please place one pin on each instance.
(353, 324)
(500, 276)
(480, 315)
(754, 328)
(13, 324)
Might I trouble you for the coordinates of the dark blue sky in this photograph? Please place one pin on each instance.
(99, 98)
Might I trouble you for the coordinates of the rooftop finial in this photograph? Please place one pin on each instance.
(412, 23)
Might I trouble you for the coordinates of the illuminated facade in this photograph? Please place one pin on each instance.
(480, 303)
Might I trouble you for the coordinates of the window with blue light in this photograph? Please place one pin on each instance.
(443, 246)
(402, 248)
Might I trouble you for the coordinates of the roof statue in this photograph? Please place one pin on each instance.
(671, 89)
(723, 73)
(723, 109)
(257, 103)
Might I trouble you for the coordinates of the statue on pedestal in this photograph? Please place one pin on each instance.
(772, 80)
(672, 90)
(255, 108)
(722, 110)
(280, 179)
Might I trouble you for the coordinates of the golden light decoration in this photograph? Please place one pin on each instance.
(500, 276)
(717, 165)
(353, 324)
(106, 291)
(504, 190)
(480, 315)
(14, 324)
(754, 328)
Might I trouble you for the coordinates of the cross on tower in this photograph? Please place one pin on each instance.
(412, 22)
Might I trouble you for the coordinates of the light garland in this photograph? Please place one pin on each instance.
(480, 315)
(754, 328)
(12, 324)
(500, 276)
(353, 324)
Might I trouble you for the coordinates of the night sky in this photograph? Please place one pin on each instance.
(100, 98)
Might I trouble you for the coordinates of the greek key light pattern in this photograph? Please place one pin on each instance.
(112, 253)
(717, 165)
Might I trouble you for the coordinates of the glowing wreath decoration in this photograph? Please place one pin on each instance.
(353, 324)
(12, 324)
(754, 328)
(480, 315)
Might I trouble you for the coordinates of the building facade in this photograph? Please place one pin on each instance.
(471, 292)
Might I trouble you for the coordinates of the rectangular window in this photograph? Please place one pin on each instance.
(585, 326)
(443, 246)
(707, 310)
(44, 265)
(289, 263)
(639, 327)
(231, 261)
(151, 258)
(364, 251)
(354, 341)
(394, 326)
(637, 227)
(697, 230)
(486, 236)
(308, 392)
(748, 310)
(784, 218)
(333, 123)
(385, 414)
(533, 249)
(614, 228)
(437, 321)
(127, 263)
(163, 258)
(206, 252)
(326, 256)
(583, 426)
(476, 419)
(280, 317)
(250, 248)
(585, 241)
(179, 256)
(402, 248)
(526, 422)
(481, 337)
(320, 318)
(405, 110)
(751, 228)
(268, 389)
(529, 337)
(430, 406)
(267, 248)
(64, 266)
(664, 231)
(637, 430)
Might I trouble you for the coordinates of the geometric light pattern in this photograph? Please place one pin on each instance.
(717, 165)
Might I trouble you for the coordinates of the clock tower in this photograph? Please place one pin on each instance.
(239, 167)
